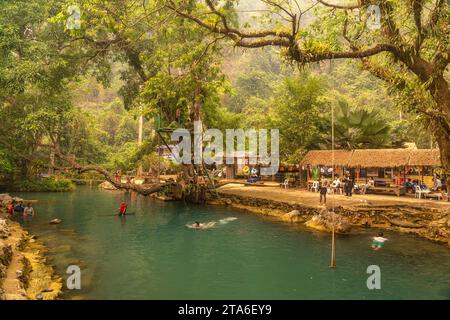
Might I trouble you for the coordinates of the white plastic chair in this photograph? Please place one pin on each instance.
(286, 183)
(315, 186)
(420, 192)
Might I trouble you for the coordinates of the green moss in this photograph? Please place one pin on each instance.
(51, 184)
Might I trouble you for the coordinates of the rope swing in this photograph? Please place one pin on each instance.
(333, 245)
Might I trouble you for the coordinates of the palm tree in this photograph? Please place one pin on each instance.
(360, 128)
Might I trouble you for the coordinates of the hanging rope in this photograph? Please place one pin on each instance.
(333, 246)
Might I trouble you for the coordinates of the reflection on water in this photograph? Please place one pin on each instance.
(152, 255)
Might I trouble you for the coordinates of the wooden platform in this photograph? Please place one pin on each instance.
(398, 191)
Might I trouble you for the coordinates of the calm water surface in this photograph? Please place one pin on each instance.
(152, 255)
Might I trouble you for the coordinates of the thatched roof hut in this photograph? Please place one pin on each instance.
(380, 158)
(324, 158)
(424, 157)
(374, 158)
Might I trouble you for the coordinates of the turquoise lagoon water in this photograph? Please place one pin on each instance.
(152, 255)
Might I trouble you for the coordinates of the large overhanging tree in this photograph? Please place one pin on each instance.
(410, 49)
(166, 63)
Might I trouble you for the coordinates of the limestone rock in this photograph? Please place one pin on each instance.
(293, 216)
(4, 229)
(5, 198)
(293, 213)
(107, 186)
(324, 222)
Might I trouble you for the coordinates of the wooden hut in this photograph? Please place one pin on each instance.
(323, 158)
(387, 166)
(422, 164)
(383, 164)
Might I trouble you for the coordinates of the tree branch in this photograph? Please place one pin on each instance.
(74, 165)
(361, 3)
(353, 54)
(417, 7)
(280, 38)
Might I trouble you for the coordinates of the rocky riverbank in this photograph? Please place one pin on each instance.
(25, 273)
(431, 223)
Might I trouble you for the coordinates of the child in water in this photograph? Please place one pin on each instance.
(123, 209)
(378, 242)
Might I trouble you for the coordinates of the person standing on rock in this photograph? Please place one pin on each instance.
(324, 183)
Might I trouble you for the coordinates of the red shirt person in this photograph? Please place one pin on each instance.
(123, 209)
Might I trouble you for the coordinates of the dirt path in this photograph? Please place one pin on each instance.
(311, 199)
(427, 218)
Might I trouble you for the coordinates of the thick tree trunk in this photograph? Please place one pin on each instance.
(442, 136)
(443, 140)
(441, 94)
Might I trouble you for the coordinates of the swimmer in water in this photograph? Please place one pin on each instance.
(378, 242)
(197, 224)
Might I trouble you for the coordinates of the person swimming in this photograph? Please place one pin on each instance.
(198, 225)
(378, 242)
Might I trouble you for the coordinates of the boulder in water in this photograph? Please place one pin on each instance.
(293, 216)
(324, 221)
(55, 221)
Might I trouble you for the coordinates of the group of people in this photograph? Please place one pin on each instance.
(347, 184)
(119, 175)
(411, 185)
(17, 207)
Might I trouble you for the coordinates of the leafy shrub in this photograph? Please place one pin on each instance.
(51, 184)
